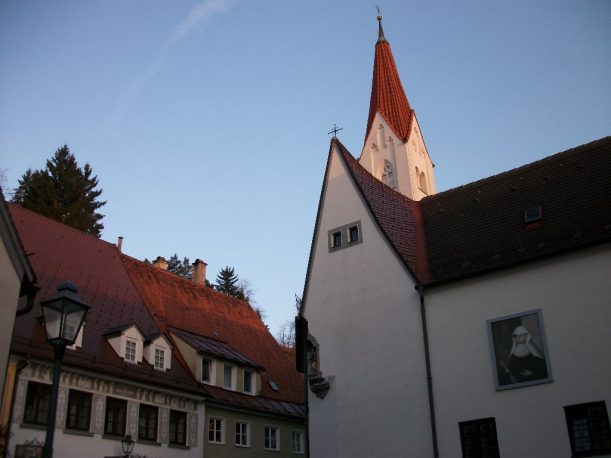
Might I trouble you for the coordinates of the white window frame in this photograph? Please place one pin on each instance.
(247, 434)
(211, 381)
(221, 429)
(301, 450)
(271, 428)
(133, 342)
(162, 359)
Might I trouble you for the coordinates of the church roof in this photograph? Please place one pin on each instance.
(481, 226)
(387, 95)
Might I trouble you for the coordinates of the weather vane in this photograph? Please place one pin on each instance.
(335, 130)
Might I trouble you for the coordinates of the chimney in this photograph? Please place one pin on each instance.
(160, 263)
(119, 243)
(199, 272)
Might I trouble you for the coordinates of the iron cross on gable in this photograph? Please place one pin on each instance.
(335, 130)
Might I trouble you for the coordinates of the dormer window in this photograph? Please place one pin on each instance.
(130, 351)
(228, 370)
(207, 368)
(159, 359)
(128, 342)
(248, 376)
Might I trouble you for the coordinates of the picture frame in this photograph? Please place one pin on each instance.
(519, 350)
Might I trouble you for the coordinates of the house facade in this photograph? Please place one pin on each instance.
(146, 364)
(470, 322)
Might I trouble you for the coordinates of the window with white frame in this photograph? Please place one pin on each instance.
(345, 236)
(159, 359)
(228, 376)
(297, 442)
(216, 430)
(242, 433)
(248, 384)
(130, 350)
(272, 438)
(207, 370)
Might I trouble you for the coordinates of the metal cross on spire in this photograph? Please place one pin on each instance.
(335, 130)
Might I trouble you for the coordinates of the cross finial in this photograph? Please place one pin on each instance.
(380, 31)
(335, 130)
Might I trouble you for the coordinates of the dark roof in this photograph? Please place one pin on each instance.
(480, 226)
(398, 217)
(177, 303)
(120, 328)
(214, 347)
(58, 253)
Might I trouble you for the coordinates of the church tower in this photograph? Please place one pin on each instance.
(394, 149)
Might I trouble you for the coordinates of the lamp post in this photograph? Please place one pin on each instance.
(63, 316)
(127, 445)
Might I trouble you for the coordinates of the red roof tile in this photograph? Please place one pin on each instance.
(179, 303)
(57, 253)
(387, 95)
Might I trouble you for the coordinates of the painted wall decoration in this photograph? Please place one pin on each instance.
(519, 350)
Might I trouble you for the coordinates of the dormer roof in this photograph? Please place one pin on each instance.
(387, 95)
(215, 347)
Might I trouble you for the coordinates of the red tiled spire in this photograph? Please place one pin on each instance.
(387, 95)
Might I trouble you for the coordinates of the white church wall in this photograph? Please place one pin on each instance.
(572, 292)
(364, 312)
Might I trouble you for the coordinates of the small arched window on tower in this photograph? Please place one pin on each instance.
(422, 183)
(388, 175)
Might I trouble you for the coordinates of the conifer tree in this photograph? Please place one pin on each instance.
(64, 192)
(227, 282)
(182, 268)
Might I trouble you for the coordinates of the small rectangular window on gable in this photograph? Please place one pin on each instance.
(345, 236)
(336, 239)
(353, 234)
(159, 359)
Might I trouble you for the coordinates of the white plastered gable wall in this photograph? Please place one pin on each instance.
(410, 161)
(364, 313)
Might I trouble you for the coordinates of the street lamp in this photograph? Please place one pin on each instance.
(127, 445)
(63, 316)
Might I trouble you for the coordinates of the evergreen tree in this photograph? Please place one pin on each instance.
(227, 282)
(182, 268)
(64, 192)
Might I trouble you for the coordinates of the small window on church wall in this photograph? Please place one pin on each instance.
(337, 239)
(422, 182)
(388, 176)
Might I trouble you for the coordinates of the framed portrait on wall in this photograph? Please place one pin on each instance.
(519, 350)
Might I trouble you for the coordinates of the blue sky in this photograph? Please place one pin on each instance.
(206, 121)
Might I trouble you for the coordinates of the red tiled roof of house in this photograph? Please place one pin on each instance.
(57, 253)
(398, 217)
(387, 94)
(480, 226)
(176, 302)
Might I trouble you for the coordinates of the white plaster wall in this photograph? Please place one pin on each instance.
(574, 294)
(92, 444)
(10, 283)
(364, 312)
(158, 343)
(382, 144)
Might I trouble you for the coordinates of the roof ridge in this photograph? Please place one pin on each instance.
(54, 221)
(529, 166)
